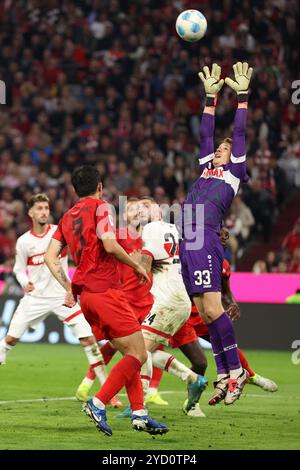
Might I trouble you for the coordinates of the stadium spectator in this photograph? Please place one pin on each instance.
(244, 214)
(292, 240)
(282, 268)
(260, 267)
(294, 266)
(262, 205)
(271, 261)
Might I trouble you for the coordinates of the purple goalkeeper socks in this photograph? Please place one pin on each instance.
(224, 327)
(219, 355)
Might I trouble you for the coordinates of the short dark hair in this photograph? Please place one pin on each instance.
(39, 197)
(85, 180)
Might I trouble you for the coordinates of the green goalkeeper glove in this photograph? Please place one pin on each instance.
(212, 83)
(242, 75)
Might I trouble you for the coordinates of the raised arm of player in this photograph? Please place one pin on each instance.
(212, 85)
(238, 152)
(240, 84)
(20, 267)
(242, 75)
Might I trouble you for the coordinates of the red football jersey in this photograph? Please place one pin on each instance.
(96, 269)
(134, 291)
(291, 241)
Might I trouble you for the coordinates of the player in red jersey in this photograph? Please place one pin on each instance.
(138, 213)
(130, 239)
(88, 230)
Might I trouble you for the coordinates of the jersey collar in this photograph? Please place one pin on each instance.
(40, 236)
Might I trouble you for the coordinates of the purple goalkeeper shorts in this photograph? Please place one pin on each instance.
(202, 269)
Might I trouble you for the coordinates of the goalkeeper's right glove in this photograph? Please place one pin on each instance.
(242, 75)
(212, 83)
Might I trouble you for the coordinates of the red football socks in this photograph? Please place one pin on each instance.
(156, 378)
(134, 391)
(244, 363)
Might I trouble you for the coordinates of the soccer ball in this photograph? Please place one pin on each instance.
(191, 25)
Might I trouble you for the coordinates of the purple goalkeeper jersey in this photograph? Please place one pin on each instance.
(216, 187)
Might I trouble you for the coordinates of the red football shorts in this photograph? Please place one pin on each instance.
(97, 331)
(186, 334)
(198, 325)
(109, 314)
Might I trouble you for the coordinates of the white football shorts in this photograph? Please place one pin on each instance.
(165, 318)
(33, 310)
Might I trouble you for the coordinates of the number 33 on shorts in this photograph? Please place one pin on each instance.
(202, 278)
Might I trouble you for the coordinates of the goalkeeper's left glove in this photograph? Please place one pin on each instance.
(242, 75)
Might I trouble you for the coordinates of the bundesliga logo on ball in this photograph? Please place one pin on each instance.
(191, 25)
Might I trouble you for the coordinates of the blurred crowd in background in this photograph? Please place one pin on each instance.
(108, 82)
(286, 259)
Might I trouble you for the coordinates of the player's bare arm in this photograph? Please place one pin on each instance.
(229, 301)
(147, 261)
(112, 247)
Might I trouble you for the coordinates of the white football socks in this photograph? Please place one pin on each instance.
(235, 373)
(4, 350)
(146, 373)
(94, 356)
(98, 403)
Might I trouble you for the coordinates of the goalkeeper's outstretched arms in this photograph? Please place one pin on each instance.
(242, 75)
(212, 85)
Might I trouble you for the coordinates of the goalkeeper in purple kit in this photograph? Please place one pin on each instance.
(221, 174)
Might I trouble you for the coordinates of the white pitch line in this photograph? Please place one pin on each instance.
(164, 392)
(36, 400)
(46, 399)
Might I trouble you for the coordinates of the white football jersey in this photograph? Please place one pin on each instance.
(30, 266)
(161, 241)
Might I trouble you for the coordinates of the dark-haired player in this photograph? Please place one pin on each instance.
(138, 294)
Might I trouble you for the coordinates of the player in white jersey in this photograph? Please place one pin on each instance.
(43, 294)
(171, 306)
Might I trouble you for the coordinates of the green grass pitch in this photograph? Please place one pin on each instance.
(259, 420)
